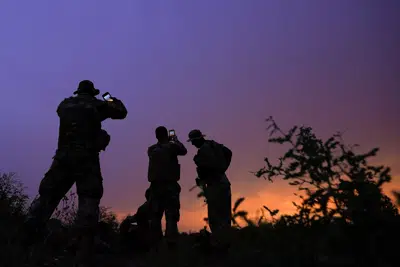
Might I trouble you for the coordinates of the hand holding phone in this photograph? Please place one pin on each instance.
(107, 96)
(172, 134)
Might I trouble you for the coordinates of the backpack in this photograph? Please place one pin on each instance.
(225, 152)
(228, 156)
(162, 166)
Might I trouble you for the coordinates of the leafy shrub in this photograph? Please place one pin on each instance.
(334, 181)
(67, 209)
(12, 196)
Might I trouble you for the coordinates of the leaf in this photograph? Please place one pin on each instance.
(265, 207)
(260, 220)
(242, 214)
(274, 212)
(237, 203)
(249, 222)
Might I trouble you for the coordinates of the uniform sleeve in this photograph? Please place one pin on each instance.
(179, 148)
(59, 107)
(114, 110)
(149, 151)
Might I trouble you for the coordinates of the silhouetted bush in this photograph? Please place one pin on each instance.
(67, 209)
(12, 196)
(340, 194)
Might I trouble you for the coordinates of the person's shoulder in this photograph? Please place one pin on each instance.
(89, 100)
(152, 148)
(214, 143)
(66, 100)
(79, 100)
(210, 143)
(206, 146)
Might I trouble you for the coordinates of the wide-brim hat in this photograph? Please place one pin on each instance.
(87, 86)
(195, 134)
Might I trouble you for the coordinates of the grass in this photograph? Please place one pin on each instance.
(264, 245)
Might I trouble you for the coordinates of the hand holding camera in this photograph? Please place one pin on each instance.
(107, 97)
(172, 135)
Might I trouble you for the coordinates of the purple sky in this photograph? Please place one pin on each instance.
(219, 65)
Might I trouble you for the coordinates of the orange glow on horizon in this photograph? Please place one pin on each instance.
(192, 220)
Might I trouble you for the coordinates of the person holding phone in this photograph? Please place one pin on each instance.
(76, 160)
(163, 175)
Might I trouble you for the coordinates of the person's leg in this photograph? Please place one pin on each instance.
(156, 210)
(219, 211)
(52, 189)
(89, 185)
(172, 212)
(225, 211)
(212, 205)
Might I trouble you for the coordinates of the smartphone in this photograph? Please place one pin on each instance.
(172, 133)
(107, 97)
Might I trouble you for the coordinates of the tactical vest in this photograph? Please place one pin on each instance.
(163, 164)
(80, 124)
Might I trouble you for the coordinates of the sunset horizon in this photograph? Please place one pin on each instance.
(216, 66)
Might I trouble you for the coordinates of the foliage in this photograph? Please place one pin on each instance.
(12, 196)
(67, 210)
(109, 217)
(12, 214)
(334, 180)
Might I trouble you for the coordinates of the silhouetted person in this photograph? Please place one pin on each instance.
(212, 161)
(163, 175)
(76, 160)
(135, 229)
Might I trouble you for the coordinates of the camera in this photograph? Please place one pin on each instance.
(107, 97)
(172, 133)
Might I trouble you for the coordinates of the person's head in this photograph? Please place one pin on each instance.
(86, 87)
(196, 137)
(162, 134)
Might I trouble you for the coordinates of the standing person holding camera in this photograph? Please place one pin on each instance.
(163, 175)
(212, 161)
(77, 161)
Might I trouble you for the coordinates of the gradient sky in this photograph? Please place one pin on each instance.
(219, 65)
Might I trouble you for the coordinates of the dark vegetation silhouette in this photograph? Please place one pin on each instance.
(343, 218)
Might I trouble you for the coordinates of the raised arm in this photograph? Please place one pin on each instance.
(114, 110)
(179, 148)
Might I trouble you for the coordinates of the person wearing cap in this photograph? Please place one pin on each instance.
(164, 176)
(76, 160)
(212, 161)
